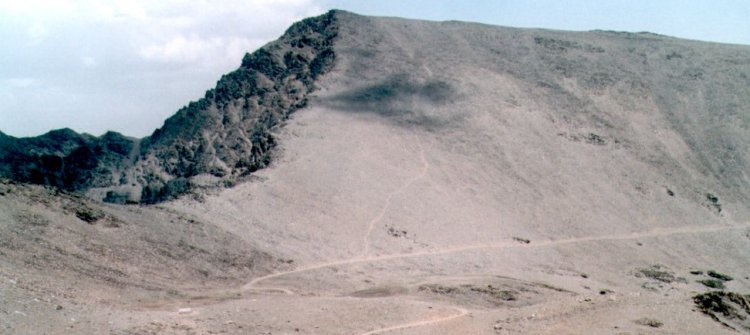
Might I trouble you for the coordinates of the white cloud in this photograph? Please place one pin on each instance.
(138, 60)
(182, 49)
(172, 30)
(209, 32)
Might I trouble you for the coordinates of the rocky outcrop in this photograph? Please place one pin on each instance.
(226, 134)
(66, 159)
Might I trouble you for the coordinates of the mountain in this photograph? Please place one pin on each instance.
(403, 176)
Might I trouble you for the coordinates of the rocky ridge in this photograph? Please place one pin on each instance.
(225, 135)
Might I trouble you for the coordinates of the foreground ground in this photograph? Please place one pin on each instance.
(378, 275)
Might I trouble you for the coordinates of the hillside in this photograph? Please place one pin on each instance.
(393, 176)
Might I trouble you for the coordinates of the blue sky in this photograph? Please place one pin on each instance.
(126, 65)
(721, 21)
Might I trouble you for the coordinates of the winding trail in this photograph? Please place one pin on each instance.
(367, 257)
(389, 198)
(509, 244)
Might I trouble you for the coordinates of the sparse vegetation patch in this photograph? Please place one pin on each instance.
(490, 293)
(728, 308)
(88, 214)
(659, 273)
(564, 45)
(592, 138)
(713, 283)
(713, 202)
(719, 276)
(521, 240)
(397, 233)
(650, 322)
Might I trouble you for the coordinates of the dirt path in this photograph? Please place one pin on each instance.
(500, 245)
(389, 198)
(460, 313)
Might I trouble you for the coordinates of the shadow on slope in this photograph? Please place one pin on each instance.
(401, 100)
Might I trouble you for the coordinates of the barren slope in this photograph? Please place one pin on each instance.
(455, 178)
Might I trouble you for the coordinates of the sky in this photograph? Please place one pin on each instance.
(127, 65)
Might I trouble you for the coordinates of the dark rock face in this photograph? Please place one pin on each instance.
(64, 158)
(226, 134)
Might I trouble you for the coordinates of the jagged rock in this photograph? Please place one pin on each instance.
(226, 134)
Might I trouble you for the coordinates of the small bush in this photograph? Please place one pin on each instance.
(521, 240)
(115, 197)
(659, 273)
(89, 215)
(719, 276)
(596, 139)
(654, 323)
(713, 202)
(713, 283)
